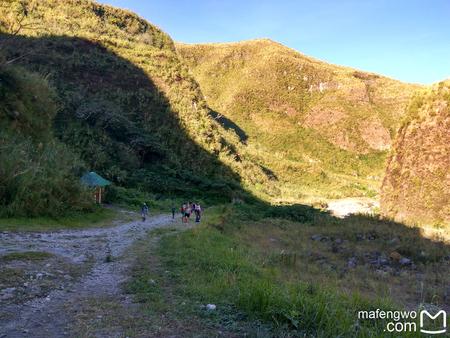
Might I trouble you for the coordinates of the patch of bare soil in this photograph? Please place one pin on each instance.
(342, 139)
(328, 121)
(324, 117)
(284, 109)
(375, 134)
(43, 298)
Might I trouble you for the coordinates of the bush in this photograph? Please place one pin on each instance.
(38, 175)
(39, 180)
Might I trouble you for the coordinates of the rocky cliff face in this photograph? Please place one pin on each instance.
(416, 188)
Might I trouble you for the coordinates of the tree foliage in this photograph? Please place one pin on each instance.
(38, 174)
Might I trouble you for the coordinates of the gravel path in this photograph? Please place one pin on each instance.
(52, 315)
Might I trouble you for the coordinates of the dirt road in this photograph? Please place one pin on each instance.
(83, 266)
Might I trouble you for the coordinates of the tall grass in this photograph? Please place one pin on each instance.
(262, 261)
(38, 174)
(212, 267)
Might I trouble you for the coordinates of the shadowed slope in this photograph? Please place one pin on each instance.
(38, 174)
(126, 102)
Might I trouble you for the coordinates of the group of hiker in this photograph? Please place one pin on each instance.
(187, 209)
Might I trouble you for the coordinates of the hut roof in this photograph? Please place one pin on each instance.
(93, 179)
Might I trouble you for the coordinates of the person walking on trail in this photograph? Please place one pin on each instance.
(173, 211)
(198, 213)
(184, 213)
(144, 212)
(188, 211)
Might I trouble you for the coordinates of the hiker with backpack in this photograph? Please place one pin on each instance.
(144, 211)
(198, 213)
(185, 212)
(189, 211)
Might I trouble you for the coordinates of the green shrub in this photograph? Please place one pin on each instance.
(38, 175)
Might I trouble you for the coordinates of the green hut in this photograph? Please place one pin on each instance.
(97, 183)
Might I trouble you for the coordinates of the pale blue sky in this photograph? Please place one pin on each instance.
(405, 39)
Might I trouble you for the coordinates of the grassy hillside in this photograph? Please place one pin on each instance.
(322, 129)
(125, 103)
(416, 188)
(282, 125)
(38, 174)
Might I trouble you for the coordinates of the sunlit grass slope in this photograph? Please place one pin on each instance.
(322, 129)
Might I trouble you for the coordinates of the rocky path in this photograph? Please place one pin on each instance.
(97, 255)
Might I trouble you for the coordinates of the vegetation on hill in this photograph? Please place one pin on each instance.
(37, 172)
(322, 129)
(416, 188)
(279, 124)
(125, 103)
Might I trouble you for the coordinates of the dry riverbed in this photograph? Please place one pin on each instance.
(48, 280)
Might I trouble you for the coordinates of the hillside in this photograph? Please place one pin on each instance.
(38, 174)
(314, 124)
(277, 123)
(416, 188)
(126, 104)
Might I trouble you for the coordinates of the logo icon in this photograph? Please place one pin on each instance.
(444, 321)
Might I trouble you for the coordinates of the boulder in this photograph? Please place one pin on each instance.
(395, 256)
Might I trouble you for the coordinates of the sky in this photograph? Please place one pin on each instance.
(408, 40)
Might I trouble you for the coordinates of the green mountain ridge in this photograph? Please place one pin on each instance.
(310, 122)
